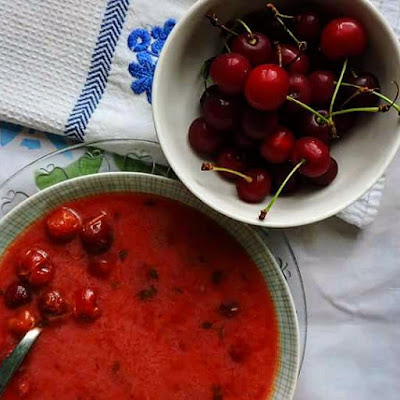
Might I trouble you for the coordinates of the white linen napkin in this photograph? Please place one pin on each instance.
(84, 69)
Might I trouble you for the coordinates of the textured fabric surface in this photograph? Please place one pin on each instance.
(85, 69)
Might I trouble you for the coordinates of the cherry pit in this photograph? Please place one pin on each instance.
(283, 91)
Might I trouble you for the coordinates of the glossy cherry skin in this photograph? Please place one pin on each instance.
(256, 48)
(267, 87)
(229, 72)
(329, 176)
(299, 89)
(219, 111)
(233, 160)
(293, 60)
(63, 224)
(52, 304)
(278, 146)
(368, 81)
(102, 265)
(210, 91)
(322, 85)
(242, 141)
(316, 156)
(279, 173)
(204, 139)
(22, 322)
(97, 234)
(257, 190)
(343, 37)
(17, 294)
(308, 26)
(257, 124)
(86, 304)
(311, 126)
(36, 267)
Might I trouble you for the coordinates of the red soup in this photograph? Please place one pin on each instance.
(141, 298)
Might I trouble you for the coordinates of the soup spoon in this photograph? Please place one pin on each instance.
(11, 364)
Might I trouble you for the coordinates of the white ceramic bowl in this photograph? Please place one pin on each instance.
(363, 155)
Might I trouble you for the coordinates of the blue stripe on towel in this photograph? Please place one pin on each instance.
(97, 76)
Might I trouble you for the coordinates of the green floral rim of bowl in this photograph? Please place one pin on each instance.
(41, 203)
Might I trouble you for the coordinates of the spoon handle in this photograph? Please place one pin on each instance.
(10, 365)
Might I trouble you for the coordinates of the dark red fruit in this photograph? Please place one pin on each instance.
(322, 85)
(22, 322)
(344, 123)
(229, 71)
(308, 26)
(233, 160)
(204, 139)
(314, 127)
(219, 111)
(343, 37)
(278, 146)
(279, 173)
(86, 305)
(36, 267)
(63, 224)
(229, 309)
(267, 87)
(329, 176)
(242, 141)
(366, 80)
(293, 60)
(257, 124)
(102, 265)
(257, 190)
(17, 294)
(97, 234)
(256, 48)
(315, 154)
(52, 304)
(299, 89)
(210, 91)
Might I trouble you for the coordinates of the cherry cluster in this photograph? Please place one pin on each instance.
(282, 92)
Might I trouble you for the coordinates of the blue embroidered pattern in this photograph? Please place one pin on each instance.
(97, 76)
(147, 45)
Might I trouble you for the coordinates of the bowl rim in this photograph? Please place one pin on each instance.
(165, 146)
(182, 195)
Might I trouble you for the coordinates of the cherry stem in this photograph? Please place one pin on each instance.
(361, 109)
(253, 40)
(374, 92)
(279, 48)
(266, 210)
(339, 82)
(301, 45)
(212, 167)
(308, 108)
(212, 17)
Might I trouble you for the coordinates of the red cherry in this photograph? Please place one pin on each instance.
(278, 146)
(343, 37)
(316, 156)
(322, 87)
(219, 111)
(293, 60)
(86, 304)
(267, 87)
(257, 190)
(36, 267)
(204, 139)
(97, 234)
(308, 26)
(313, 127)
(210, 91)
(229, 71)
(368, 81)
(22, 322)
(256, 48)
(300, 90)
(62, 224)
(279, 173)
(17, 294)
(344, 123)
(52, 304)
(329, 176)
(242, 141)
(230, 159)
(102, 265)
(257, 124)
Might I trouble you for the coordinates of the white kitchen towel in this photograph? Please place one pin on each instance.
(84, 69)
